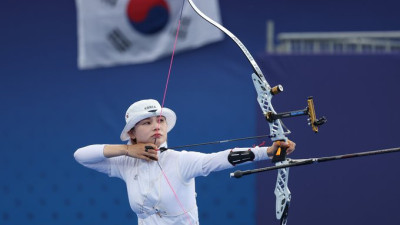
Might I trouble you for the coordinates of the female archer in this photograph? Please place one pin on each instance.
(160, 182)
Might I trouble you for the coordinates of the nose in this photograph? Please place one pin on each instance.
(156, 126)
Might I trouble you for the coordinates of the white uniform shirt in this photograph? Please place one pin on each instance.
(150, 196)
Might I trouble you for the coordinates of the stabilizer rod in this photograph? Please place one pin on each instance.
(301, 162)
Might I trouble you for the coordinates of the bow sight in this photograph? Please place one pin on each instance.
(309, 110)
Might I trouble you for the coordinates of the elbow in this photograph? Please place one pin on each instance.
(78, 155)
(89, 154)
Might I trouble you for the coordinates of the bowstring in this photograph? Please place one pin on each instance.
(162, 106)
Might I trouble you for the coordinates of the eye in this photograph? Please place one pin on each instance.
(145, 122)
(161, 120)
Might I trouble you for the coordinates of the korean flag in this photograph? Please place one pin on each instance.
(116, 32)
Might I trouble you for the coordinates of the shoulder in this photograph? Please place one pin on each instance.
(170, 153)
(186, 156)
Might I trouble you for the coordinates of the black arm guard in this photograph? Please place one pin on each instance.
(238, 157)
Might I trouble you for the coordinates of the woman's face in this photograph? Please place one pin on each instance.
(150, 130)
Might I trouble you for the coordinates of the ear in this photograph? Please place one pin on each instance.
(131, 134)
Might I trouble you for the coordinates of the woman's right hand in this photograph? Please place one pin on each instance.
(144, 151)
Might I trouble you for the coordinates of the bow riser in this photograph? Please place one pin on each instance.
(282, 193)
(264, 98)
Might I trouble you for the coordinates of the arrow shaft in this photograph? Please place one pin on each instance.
(221, 141)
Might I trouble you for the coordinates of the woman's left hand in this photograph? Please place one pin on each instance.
(274, 147)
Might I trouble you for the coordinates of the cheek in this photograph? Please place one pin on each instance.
(137, 131)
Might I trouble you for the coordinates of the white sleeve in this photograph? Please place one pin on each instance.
(92, 156)
(193, 164)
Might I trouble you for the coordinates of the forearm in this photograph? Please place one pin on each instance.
(193, 164)
(136, 151)
(220, 160)
(115, 150)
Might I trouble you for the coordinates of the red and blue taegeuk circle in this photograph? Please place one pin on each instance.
(148, 16)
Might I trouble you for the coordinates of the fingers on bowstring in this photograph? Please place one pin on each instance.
(152, 152)
(150, 146)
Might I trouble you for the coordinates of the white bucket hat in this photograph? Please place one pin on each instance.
(144, 109)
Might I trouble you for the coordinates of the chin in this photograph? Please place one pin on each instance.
(160, 142)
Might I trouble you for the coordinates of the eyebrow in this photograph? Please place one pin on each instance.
(143, 120)
(149, 118)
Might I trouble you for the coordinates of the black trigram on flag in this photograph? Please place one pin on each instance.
(119, 40)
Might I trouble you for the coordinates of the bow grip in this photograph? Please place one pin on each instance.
(280, 154)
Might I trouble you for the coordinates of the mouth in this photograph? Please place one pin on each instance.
(156, 135)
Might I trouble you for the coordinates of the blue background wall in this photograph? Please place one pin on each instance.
(50, 108)
(359, 95)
